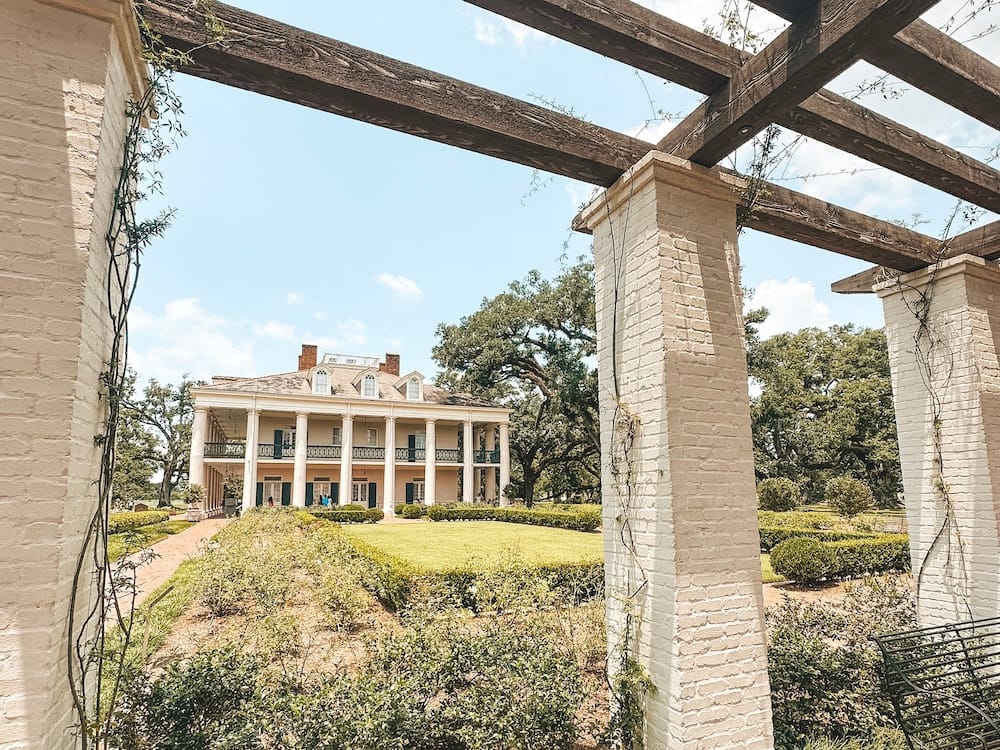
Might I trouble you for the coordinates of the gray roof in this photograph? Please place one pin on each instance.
(341, 384)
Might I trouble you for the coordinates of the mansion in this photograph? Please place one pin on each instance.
(345, 429)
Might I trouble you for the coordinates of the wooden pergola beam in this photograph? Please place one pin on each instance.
(275, 59)
(634, 35)
(983, 242)
(931, 61)
(819, 45)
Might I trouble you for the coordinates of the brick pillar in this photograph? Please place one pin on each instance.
(66, 70)
(677, 458)
(389, 493)
(951, 378)
(504, 462)
(250, 461)
(468, 493)
(430, 463)
(301, 458)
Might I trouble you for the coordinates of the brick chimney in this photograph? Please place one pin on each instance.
(391, 364)
(307, 359)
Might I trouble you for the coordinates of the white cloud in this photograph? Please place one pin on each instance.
(792, 305)
(294, 298)
(321, 315)
(275, 330)
(185, 338)
(351, 337)
(494, 32)
(400, 286)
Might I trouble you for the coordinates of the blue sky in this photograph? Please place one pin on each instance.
(297, 226)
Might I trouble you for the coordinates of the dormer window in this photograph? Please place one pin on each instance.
(369, 386)
(413, 389)
(321, 383)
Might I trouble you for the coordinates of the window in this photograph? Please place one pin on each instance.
(418, 490)
(359, 491)
(413, 389)
(321, 488)
(369, 387)
(272, 491)
(336, 436)
(372, 436)
(321, 383)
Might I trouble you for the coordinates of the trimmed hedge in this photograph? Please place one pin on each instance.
(119, 523)
(413, 510)
(804, 559)
(772, 536)
(367, 515)
(384, 576)
(798, 519)
(889, 552)
(588, 518)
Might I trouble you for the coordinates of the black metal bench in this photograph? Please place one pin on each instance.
(944, 683)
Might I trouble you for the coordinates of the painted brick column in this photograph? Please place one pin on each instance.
(301, 457)
(504, 462)
(389, 494)
(66, 72)
(951, 378)
(468, 471)
(199, 428)
(346, 460)
(430, 463)
(250, 460)
(677, 457)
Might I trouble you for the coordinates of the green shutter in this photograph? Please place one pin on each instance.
(286, 493)
(309, 494)
(277, 443)
(409, 493)
(334, 493)
(372, 495)
(260, 494)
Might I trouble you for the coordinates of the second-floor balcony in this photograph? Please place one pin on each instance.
(229, 449)
(486, 457)
(237, 449)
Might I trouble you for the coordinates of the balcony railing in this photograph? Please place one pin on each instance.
(364, 452)
(487, 457)
(448, 454)
(232, 449)
(266, 450)
(410, 454)
(323, 451)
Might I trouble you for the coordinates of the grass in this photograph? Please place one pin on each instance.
(437, 547)
(767, 572)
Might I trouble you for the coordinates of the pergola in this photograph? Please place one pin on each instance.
(682, 568)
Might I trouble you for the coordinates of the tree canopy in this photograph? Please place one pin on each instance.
(532, 348)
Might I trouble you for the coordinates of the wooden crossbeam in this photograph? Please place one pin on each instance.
(983, 242)
(275, 59)
(930, 60)
(819, 45)
(632, 34)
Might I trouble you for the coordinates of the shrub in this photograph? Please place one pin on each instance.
(416, 510)
(804, 559)
(777, 494)
(367, 515)
(848, 496)
(384, 576)
(889, 552)
(771, 537)
(798, 519)
(119, 523)
(825, 670)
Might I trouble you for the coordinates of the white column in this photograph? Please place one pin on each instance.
(389, 493)
(489, 444)
(682, 552)
(946, 390)
(504, 462)
(467, 471)
(346, 454)
(301, 445)
(430, 461)
(199, 430)
(250, 460)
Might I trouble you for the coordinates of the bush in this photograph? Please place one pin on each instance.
(119, 523)
(798, 519)
(582, 518)
(777, 494)
(415, 510)
(889, 552)
(825, 670)
(771, 537)
(384, 576)
(848, 496)
(804, 559)
(367, 515)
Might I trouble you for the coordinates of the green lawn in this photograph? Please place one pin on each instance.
(767, 573)
(448, 545)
